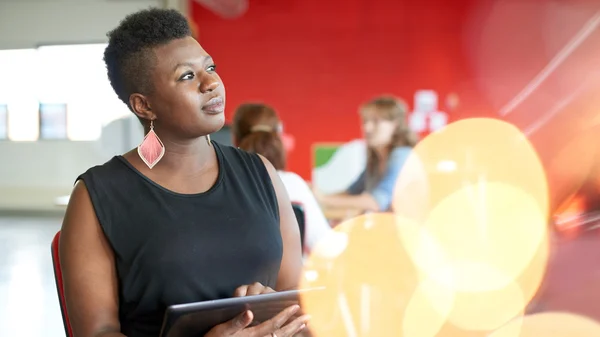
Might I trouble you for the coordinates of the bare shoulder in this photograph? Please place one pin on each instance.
(270, 168)
(80, 215)
(89, 272)
(291, 263)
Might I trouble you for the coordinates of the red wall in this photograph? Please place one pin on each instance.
(315, 61)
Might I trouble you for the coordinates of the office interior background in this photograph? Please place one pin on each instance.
(530, 63)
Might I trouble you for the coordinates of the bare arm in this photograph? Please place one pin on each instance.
(354, 197)
(291, 263)
(380, 198)
(364, 201)
(87, 263)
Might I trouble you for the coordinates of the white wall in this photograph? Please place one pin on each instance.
(32, 174)
(30, 23)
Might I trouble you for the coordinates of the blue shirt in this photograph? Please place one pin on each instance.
(384, 190)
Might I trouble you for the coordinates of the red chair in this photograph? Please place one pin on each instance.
(59, 285)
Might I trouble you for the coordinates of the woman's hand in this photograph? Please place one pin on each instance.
(252, 289)
(276, 326)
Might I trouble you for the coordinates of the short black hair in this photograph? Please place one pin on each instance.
(129, 55)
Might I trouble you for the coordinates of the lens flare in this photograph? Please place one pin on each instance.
(550, 324)
(479, 150)
(367, 285)
(479, 230)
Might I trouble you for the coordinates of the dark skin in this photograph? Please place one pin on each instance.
(184, 80)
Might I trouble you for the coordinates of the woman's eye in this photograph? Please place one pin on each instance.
(188, 76)
(212, 68)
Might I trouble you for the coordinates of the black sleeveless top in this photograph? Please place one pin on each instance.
(173, 248)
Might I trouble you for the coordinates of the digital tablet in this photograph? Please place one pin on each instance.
(196, 319)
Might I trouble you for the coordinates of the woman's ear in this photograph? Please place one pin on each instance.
(141, 106)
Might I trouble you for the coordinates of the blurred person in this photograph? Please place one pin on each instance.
(256, 128)
(179, 219)
(389, 142)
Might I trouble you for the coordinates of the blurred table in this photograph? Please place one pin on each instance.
(337, 215)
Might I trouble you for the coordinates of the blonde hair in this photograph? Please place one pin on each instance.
(393, 109)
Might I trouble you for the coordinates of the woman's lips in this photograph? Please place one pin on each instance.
(215, 105)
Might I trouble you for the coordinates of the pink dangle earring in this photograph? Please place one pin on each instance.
(151, 150)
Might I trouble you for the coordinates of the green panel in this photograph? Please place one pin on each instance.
(323, 154)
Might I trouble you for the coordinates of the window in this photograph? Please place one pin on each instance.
(76, 75)
(18, 92)
(53, 121)
(3, 121)
(23, 120)
(56, 92)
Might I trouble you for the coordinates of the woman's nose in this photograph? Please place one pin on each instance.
(209, 83)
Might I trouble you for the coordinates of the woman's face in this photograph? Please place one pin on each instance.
(189, 97)
(379, 132)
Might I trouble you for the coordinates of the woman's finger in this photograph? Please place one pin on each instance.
(236, 324)
(276, 322)
(240, 291)
(267, 290)
(293, 327)
(255, 289)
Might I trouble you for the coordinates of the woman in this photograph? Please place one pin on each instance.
(389, 143)
(256, 129)
(180, 219)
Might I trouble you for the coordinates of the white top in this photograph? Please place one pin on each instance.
(316, 226)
